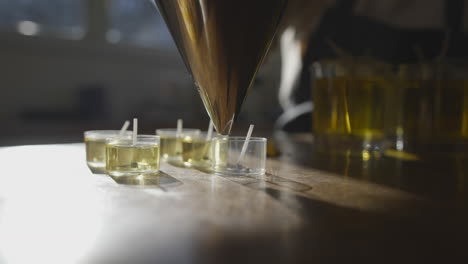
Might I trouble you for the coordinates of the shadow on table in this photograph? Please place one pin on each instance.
(443, 178)
(161, 180)
(335, 234)
(97, 170)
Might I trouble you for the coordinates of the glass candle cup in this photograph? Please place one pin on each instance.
(431, 111)
(196, 151)
(95, 142)
(351, 101)
(227, 158)
(123, 158)
(171, 142)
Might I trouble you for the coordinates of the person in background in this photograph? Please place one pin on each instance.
(394, 31)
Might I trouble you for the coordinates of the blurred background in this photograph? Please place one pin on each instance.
(72, 65)
(67, 66)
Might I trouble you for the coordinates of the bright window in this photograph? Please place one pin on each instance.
(137, 22)
(128, 22)
(61, 18)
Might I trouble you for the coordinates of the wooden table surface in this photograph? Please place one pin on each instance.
(309, 208)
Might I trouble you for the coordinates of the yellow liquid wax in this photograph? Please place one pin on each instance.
(196, 151)
(95, 153)
(220, 155)
(171, 147)
(350, 113)
(128, 160)
(431, 116)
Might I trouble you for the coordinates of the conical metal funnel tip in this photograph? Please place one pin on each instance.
(223, 43)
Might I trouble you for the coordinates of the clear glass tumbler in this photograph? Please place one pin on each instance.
(351, 101)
